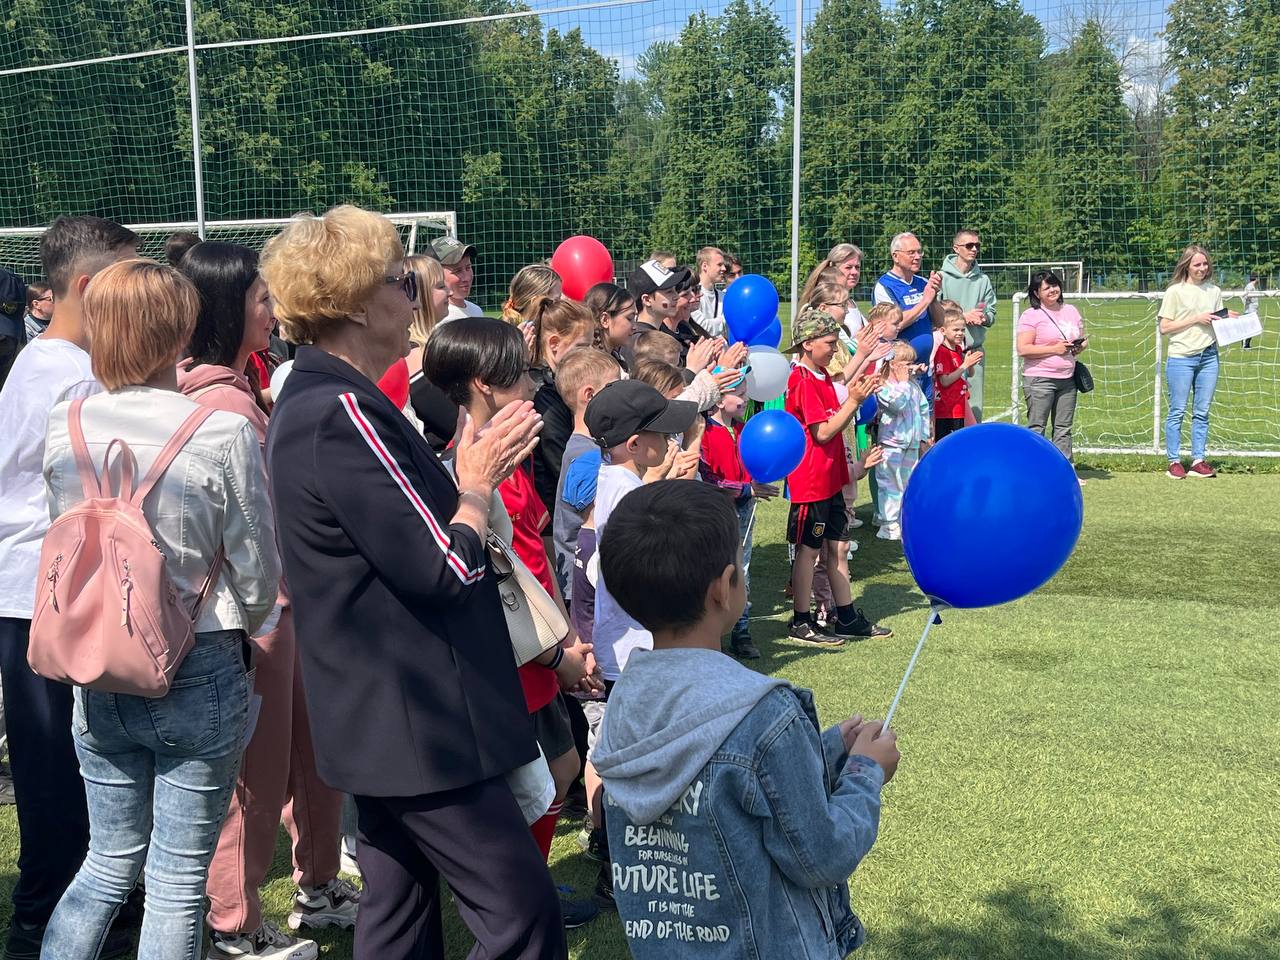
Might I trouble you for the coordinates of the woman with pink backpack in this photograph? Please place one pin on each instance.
(158, 745)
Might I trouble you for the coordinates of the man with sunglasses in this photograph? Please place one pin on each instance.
(964, 282)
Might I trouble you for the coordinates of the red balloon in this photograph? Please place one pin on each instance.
(582, 262)
(395, 383)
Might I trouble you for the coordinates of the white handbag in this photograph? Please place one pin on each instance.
(533, 617)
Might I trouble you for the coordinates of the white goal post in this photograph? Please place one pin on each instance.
(1126, 411)
(20, 246)
(1072, 271)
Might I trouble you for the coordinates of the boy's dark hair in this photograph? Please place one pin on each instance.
(471, 347)
(70, 241)
(664, 545)
(222, 274)
(1037, 281)
(176, 247)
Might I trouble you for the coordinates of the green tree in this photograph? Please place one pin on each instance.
(968, 76)
(849, 72)
(1077, 192)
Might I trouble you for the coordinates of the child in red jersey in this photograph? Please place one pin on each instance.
(818, 521)
(950, 364)
(722, 466)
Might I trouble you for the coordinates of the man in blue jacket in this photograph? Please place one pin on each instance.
(733, 823)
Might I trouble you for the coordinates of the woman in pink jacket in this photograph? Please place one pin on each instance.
(278, 769)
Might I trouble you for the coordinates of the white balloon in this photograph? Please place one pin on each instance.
(278, 377)
(769, 373)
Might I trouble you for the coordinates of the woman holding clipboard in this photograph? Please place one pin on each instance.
(1188, 310)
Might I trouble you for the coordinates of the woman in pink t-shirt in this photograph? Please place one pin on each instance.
(1050, 335)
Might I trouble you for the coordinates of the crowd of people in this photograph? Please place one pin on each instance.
(464, 610)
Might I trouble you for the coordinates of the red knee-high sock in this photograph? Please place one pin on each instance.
(544, 829)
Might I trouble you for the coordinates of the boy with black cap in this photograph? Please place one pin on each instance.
(458, 260)
(633, 424)
(818, 521)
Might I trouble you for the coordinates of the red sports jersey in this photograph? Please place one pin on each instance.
(949, 402)
(721, 461)
(528, 517)
(811, 399)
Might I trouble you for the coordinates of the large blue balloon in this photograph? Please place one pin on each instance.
(1003, 490)
(922, 344)
(771, 445)
(750, 305)
(770, 336)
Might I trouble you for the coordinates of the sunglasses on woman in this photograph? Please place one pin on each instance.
(408, 283)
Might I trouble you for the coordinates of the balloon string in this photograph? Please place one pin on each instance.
(750, 523)
(933, 618)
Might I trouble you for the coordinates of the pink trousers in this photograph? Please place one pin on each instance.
(277, 774)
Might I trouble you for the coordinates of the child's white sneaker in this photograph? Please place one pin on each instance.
(890, 531)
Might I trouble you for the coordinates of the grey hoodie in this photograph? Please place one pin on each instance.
(969, 290)
(668, 714)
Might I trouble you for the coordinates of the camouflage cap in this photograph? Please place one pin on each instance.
(811, 324)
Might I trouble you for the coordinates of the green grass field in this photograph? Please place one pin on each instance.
(1088, 773)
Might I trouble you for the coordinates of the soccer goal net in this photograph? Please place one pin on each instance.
(20, 246)
(1126, 355)
(1016, 274)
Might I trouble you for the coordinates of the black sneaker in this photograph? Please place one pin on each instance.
(24, 941)
(860, 628)
(604, 888)
(808, 633)
(578, 913)
(743, 648)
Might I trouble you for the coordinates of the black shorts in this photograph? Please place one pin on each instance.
(552, 729)
(809, 524)
(943, 426)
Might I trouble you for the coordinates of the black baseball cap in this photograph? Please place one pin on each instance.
(627, 407)
(651, 276)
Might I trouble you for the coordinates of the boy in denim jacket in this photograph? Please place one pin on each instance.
(734, 822)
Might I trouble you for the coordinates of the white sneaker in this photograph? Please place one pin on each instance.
(890, 531)
(333, 905)
(265, 943)
(855, 523)
(853, 548)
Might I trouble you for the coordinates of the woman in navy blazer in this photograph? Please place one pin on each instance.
(415, 705)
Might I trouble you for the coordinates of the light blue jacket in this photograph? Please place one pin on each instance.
(904, 415)
(734, 824)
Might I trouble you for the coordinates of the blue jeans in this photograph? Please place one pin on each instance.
(746, 507)
(158, 775)
(1185, 374)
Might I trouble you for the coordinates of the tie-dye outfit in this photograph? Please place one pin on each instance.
(904, 426)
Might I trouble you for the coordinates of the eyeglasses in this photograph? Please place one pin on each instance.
(975, 245)
(408, 283)
(47, 298)
(912, 253)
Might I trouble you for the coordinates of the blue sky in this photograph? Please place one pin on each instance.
(625, 32)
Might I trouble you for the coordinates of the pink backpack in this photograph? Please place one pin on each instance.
(107, 613)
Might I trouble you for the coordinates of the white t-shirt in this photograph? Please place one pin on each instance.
(468, 309)
(1251, 297)
(46, 372)
(614, 633)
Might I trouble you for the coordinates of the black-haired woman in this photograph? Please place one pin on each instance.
(481, 363)
(1050, 337)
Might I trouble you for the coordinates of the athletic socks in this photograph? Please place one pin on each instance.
(544, 829)
(800, 616)
(845, 614)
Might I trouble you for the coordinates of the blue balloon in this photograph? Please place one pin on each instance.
(750, 305)
(771, 445)
(771, 336)
(1001, 486)
(922, 344)
(867, 412)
